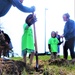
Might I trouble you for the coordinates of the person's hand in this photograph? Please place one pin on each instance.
(31, 19)
(61, 36)
(33, 8)
(62, 41)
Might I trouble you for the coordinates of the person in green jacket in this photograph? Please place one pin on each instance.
(53, 45)
(27, 38)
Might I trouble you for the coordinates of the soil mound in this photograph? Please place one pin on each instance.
(11, 67)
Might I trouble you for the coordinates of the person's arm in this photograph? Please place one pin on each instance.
(60, 42)
(49, 47)
(21, 7)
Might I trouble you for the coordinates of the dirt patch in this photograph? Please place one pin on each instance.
(11, 67)
(61, 62)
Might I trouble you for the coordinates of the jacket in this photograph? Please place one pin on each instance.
(69, 29)
(5, 6)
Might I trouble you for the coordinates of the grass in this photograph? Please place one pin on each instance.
(41, 57)
(51, 69)
(16, 58)
(47, 57)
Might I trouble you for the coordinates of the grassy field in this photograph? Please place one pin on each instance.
(41, 57)
(46, 69)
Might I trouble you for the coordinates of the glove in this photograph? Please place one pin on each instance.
(33, 8)
(31, 19)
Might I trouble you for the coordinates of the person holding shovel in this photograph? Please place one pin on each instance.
(5, 6)
(27, 38)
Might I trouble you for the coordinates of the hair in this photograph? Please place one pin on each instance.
(29, 18)
(52, 33)
(67, 15)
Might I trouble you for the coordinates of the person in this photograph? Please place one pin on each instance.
(53, 45)
(5, 6)
(27, 38)
(59, 37)
(3, 44)
(69, 35)
(8, 40)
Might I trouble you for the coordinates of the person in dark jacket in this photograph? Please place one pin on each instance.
(8, 41)
(5, 6)
(60, 38)
(69, 35)
(3, 44)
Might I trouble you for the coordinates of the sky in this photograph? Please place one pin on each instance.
(49, 17)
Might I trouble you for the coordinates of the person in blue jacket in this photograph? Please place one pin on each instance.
(69, 35)
(5, 6)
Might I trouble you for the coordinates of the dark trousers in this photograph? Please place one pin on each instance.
(53, 55)
(69, 45)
